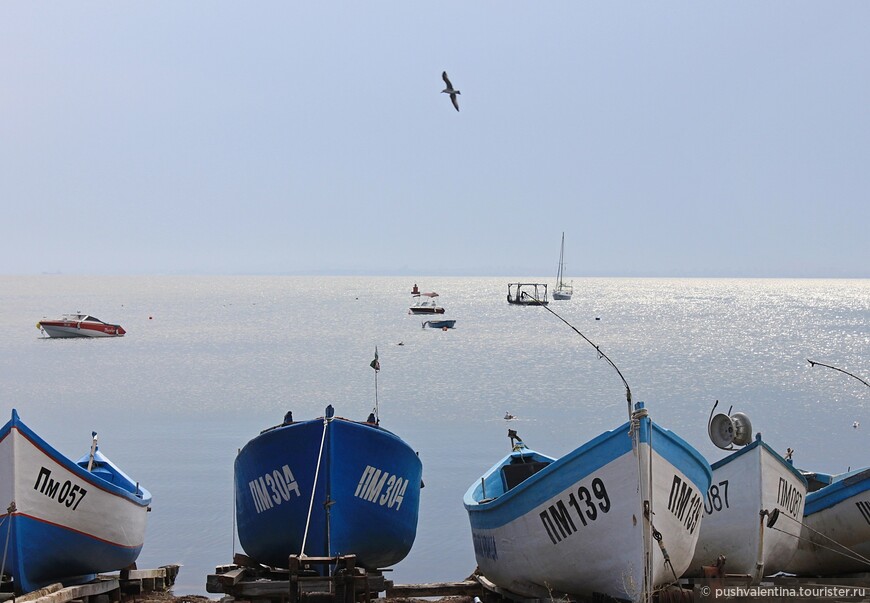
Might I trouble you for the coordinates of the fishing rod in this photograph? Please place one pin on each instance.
(813, 363)
(597, 349)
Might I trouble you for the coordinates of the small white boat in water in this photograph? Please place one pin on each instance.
(754, 506)
(79, 325)
(425, 306)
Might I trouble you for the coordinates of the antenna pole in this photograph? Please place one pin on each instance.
(376, 365)
(600, 355)
(377, 414)
(814, 363)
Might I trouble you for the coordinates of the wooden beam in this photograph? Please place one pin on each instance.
(232, 577)
(46, 590)
(143, 573)
(436, 589)
(75, 592)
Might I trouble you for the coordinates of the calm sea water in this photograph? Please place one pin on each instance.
(210, 361)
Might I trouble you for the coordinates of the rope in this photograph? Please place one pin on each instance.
(314, 487)
(845, 552)
(238, 451)
(8, 516)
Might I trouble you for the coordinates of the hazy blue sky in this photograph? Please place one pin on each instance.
(664, 138)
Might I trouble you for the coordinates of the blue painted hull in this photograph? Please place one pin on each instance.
(439, 324)
(366, 494)
(64, 523)
(70, 559)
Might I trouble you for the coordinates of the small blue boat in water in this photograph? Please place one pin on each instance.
(64, 521)
(327, 487)
(439, 324)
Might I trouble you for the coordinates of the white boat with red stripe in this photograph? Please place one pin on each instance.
(79, 325)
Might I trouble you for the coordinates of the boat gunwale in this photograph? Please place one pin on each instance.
(474, 507)
(143, 499)
(752, 446)
(842, 488)
(319, 420)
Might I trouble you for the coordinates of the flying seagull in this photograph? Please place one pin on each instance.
(449, 90)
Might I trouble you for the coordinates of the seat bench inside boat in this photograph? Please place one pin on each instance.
(509, 473)
(519, 470)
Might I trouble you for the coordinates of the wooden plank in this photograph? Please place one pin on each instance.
(46, 590)
(272, 588)
(436, 589)
(242, 559)
(232, 577)
(143, 573)
(315, 585)
(77, 592)
(261, 589)
(212, 585)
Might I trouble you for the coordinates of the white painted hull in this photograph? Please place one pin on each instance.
(753, 479)
(837, 516)
(66, 332)
(569, 530)
(67, 523)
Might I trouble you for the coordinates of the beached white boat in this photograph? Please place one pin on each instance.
(64, 521)
(597, 520)
(754, 506)
(835, 539)
(752, 514)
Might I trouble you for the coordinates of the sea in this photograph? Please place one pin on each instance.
(210, 361)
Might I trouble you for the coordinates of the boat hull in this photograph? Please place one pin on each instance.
(561, 295)
(69, 329)
(578, 527)
(67, 523)
(837, 513)
(439, 324)
(745, 483)
(366, 493)
(426, 310)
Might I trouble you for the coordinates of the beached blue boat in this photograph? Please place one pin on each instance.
(597, 520)
(835, 537)
(327, 487)
(65, 521)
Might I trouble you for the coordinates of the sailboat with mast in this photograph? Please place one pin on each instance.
(563, 290)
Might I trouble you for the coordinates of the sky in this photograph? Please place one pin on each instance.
(665, 139)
